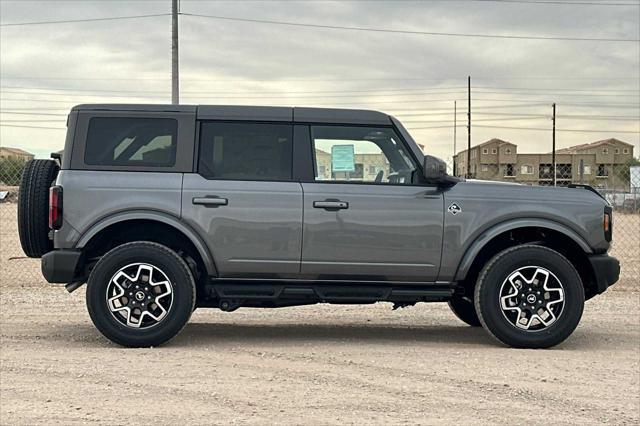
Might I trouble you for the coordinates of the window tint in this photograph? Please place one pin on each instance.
(361, 154)
(131, 142)
(246, 151)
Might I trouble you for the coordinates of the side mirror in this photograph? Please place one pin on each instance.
(434, 169)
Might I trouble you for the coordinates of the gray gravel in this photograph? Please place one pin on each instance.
(317, 365)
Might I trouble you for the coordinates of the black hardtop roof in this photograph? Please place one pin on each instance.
(257, 113)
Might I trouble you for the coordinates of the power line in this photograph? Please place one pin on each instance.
(381, 30)
(332, 80)
(409, 90)
(70, 21)
(541, 2)
(73, 89)
(560, 130)
(33, 127)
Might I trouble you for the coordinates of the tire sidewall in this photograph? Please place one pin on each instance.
(159, 256)
(488, 297)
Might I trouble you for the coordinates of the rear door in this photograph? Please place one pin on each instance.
(365, 217)
(243, 201)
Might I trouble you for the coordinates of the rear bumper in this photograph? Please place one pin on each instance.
(606, 271)
(59, 266)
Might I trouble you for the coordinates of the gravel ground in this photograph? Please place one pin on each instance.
(318, 364)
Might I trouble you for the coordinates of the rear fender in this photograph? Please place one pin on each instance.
(172, 221)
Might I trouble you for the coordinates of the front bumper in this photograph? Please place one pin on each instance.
(606, 271)
(59, 266)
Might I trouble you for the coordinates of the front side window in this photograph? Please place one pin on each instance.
(344, 153)
(246, 151)
(148, 142)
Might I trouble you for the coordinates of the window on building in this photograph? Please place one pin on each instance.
(494, 151)
(564, 171)
(485, 168)
(485, 150)
(246, 151)
(617, 151)
(602, 170)
(526, 169)
(147, 142)
(625, 151)
(351, 150)
(545, 171)
(507, 151)
(605, 151)
(509, 170)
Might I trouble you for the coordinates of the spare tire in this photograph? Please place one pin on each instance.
(33, 207)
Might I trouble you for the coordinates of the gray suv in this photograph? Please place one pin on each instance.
(162, 209)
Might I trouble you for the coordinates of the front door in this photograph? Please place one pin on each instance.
(243, 200)
(365, 217)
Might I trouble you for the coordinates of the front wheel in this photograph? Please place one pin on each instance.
(529, 296)
(140, 294)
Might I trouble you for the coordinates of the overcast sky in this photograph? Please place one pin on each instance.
(46, 69)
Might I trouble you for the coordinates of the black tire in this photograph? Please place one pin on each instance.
(464, 309)
(178, 313)
(33, 207)
(496, 272)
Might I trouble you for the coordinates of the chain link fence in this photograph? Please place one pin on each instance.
(619, 185)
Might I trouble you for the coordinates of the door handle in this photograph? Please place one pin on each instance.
(331, 204)
(210, 201)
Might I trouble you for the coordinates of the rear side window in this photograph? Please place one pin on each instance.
(246, 151)
(149, 142)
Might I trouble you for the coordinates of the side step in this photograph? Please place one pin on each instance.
(232, 294)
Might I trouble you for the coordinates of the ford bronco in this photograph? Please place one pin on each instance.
(162, 209)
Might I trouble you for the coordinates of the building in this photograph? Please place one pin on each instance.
(602, 164)
(17, 153)
(367, 166)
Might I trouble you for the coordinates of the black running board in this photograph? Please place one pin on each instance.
(232, 294)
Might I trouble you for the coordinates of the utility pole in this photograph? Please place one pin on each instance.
(175, 69)
(469, 127)
(553, 144)
(455, 125)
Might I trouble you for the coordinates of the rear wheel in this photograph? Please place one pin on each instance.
(140, 294)
(33, 207)
(464, 309)
(529, 297)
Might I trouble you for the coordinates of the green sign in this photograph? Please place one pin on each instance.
(342, 158)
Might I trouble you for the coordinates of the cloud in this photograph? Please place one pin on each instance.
(129, 61)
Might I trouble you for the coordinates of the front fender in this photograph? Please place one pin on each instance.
(153, 216)
(477, 245)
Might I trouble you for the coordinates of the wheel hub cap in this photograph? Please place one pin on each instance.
(532, 298)
(139, 295)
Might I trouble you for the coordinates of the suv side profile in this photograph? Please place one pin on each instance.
(162, 209)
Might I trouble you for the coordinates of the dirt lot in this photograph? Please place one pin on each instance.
(317, 365)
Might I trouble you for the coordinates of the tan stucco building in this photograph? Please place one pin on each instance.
(7, 152)
(591, 163)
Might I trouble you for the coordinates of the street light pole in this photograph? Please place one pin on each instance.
(455, 137)
(469, 127)
(553, 143)
(175, 68)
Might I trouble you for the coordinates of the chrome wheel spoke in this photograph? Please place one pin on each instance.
(139, 295)
(532, 298)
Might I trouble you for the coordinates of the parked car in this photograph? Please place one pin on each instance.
(162, 209)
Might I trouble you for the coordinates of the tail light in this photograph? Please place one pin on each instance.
(55, 207)
(607, 223)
